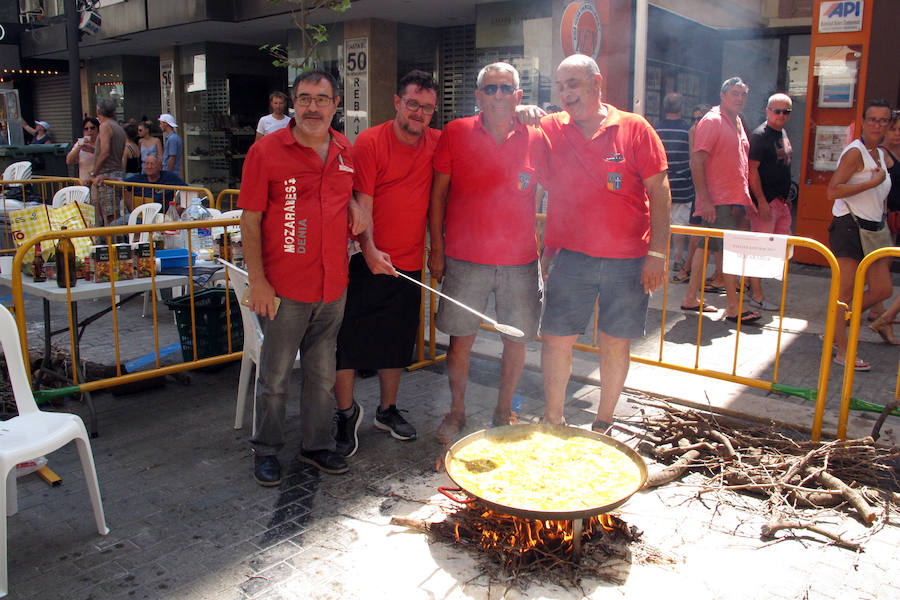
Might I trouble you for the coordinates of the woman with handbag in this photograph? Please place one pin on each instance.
(859, 187)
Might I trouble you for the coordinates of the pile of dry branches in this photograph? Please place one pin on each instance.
(847, 475)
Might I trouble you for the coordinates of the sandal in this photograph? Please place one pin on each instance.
(600, 426)
(681, 277)
(706, 308)
(748, 316)
(859, 364)
(885, 329)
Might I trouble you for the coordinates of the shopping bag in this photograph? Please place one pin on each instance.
(29, 222)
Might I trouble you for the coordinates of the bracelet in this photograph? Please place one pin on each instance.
(656, 254)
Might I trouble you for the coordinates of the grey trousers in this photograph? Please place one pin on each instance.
(312, 328)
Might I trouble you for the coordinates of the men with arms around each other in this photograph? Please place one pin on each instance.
(482, 228)
(297, 189)
(392, 182)
(609, 215)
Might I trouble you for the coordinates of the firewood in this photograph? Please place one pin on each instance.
(866, 512)
(770, 528)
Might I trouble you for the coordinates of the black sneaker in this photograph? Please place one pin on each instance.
(267, 470)
(346, 428)
(391, 420)
(327, 461)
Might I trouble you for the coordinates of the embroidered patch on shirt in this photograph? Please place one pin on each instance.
(524, 180)
(342, 166)
(615, 157)
(613, 181)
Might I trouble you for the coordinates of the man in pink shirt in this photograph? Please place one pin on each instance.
(720, 169)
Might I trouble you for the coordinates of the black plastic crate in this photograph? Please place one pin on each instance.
(212, 331)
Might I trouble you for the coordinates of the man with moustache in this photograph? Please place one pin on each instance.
(719, 166)
(297, 189)
(482, 227)
(392, 182)
(608, 215)
(770, 181)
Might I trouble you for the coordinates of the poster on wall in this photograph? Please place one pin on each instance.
(167, 86)
(356, 86)
(835, 17)
(830, 142)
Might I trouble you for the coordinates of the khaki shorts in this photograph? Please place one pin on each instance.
(517, 297)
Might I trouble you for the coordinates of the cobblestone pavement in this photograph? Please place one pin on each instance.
(188, 522)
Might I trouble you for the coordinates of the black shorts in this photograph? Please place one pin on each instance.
(843, 238)
(381, 319)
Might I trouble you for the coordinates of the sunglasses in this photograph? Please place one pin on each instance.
(492, 88)
(781, 111)
(88, 127)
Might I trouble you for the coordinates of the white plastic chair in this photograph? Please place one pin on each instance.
(232, 214)
(72, 193)
(253, 340)
(34, 433)
(147, 214)
(17, 171)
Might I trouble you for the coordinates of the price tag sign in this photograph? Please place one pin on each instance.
(754, 254)
(356, 86)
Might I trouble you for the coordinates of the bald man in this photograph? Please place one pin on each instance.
(608, 215)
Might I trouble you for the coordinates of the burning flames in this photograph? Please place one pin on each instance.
(493, 530)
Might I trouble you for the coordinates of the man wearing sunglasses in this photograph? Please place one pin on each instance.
(297, 201)
(770, 181)
(392, 181)
(482, 226)
(608, 214)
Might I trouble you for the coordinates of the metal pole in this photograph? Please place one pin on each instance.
(74, 67)
(640, 55)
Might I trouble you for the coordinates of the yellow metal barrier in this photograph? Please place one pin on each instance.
(817, 395)
(227, 199)
(127, 289)
(854, 316)
(127, 195)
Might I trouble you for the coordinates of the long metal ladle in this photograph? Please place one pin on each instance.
(502, 328)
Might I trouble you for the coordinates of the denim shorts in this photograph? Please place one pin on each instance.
(517, 297)
(577, 280)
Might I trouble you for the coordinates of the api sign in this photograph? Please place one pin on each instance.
(840, 16)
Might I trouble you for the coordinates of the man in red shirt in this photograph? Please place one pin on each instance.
(720, 169)
(297, 197)
(482, 226)
(608, 213)
(392, 181)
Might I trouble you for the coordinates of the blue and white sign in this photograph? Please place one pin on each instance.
(846, 15)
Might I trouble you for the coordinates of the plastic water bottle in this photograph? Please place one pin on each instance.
(201, 237)
(172, 238)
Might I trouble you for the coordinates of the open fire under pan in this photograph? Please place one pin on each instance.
(553, 510)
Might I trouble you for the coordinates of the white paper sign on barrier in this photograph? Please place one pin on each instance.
(754, 254)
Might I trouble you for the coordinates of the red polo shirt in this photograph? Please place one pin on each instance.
(304, 206)
(598, 205)
(491, 205)
(727, 164)
(398, 177)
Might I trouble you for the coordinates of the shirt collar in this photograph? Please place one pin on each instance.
(288, 136)
(517, 125)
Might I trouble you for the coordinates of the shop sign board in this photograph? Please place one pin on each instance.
(167, 86)
(580, 30)
(841, 16)
(356, 86)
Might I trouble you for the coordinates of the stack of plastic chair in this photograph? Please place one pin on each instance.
(253, 341)
(34, 433)
(72, 193)
(17, 171)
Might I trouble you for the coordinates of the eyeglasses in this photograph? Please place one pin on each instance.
(781, 111)
(413, 106)
(306, 100)
(877, 121)
(491, 89)
(87, 127)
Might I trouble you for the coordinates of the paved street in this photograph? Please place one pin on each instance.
(188, 522)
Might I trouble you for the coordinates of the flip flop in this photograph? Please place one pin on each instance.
(679, 278)
(745, 317)
(860, 364)
(706, 308)
(713, 289)
(600, 426)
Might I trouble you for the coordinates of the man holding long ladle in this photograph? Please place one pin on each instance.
(482, 227)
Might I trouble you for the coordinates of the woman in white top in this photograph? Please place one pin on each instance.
(278, 119)
(859, 188)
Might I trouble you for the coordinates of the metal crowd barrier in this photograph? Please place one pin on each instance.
(854, 316)
(111, 296)
(128, 195)
(227, 199)
(817, 395)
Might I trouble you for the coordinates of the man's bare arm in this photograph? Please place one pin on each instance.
(756, 187)
(437, 210)
(262, 294)
(379, 262)
(102, 146)
(654, 271)
(705, 207)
